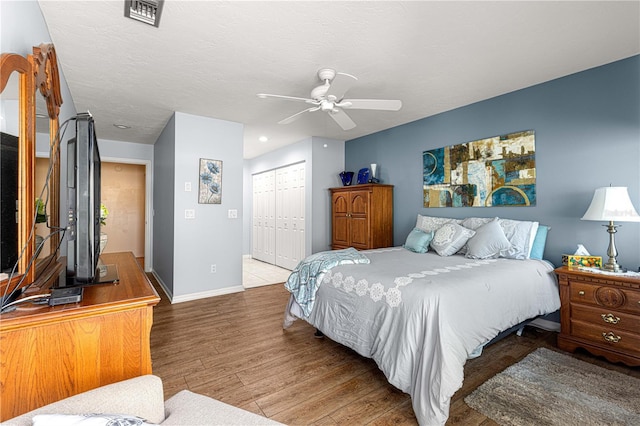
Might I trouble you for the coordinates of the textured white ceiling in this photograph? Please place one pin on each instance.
(211, 58)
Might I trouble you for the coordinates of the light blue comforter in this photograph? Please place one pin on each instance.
(305, 279)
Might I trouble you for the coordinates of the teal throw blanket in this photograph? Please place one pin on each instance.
(306, 278)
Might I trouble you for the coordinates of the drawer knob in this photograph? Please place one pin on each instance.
(611, 338)
(610, 318)
(581, 292)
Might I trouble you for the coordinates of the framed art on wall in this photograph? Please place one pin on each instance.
(496, 171)
(210, 182)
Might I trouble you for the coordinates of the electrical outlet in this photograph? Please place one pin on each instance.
(214, 269)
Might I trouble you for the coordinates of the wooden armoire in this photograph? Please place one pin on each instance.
(362, 216)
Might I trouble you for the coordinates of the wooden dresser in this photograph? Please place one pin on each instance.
(600, 313)
(50, 353)
(362, 216)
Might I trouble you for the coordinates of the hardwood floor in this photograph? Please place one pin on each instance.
(233, 348)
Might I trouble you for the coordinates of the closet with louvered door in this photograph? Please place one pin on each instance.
(264, 217)
(279, 216)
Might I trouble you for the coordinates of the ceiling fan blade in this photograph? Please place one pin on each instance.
(297, 115)
(292, 98)
(343, 120)
(339, 86)
(379, 104)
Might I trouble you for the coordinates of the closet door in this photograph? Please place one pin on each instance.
(263, 235)
(290, 215)
(256, 220)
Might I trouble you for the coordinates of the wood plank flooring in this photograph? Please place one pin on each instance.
(233, 348)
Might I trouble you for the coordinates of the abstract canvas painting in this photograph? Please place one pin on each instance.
(210, 177)
(497, 171)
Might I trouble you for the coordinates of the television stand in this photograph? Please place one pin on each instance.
(103, 339)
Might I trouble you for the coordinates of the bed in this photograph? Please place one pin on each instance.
(421, 314)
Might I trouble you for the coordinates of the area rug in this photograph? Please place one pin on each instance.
(550, 388)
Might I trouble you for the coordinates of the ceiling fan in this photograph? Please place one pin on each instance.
(329, 97)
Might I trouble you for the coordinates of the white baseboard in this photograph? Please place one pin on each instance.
(205, 294)
(195, 296)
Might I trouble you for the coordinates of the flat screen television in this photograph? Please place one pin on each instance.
(83, 196)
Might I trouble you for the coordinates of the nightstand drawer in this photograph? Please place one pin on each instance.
(606, 318)
(618, 298)
(603, 335)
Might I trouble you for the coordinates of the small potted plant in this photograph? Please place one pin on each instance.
(41, 211)
(41, 217)
(104, 213)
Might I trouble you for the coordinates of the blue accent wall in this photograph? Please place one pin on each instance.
(587, 130)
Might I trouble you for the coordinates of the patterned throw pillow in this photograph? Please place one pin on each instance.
(450, 238)
(433, 223)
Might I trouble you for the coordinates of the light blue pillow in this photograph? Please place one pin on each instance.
(537, 250)
(418, 241)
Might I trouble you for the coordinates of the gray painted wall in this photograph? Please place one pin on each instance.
(328, 162)
(127, 150)
(587, 136)
(324, 159)
(163, 205)
(210, 238)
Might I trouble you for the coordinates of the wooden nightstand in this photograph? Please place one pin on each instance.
(600, 313)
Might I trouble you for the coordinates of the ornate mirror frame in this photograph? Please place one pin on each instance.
(47, 82)
(37, 72)
(10, 63)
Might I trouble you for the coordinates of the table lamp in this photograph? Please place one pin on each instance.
(611, 204)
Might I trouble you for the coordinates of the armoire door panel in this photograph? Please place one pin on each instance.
(359, 232)
(359, 203)
(341, 231)
(340, 204)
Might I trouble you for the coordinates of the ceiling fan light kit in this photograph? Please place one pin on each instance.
(329, 97)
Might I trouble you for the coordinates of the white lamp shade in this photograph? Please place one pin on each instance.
(611, 203)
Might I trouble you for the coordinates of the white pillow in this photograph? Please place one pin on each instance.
(450, 238)
(520, 234)
(489, 242)
(87, 420)
(433, 223)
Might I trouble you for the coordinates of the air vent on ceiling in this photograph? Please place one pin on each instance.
(147, 11)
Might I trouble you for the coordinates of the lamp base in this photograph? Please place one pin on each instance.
(612, 265)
